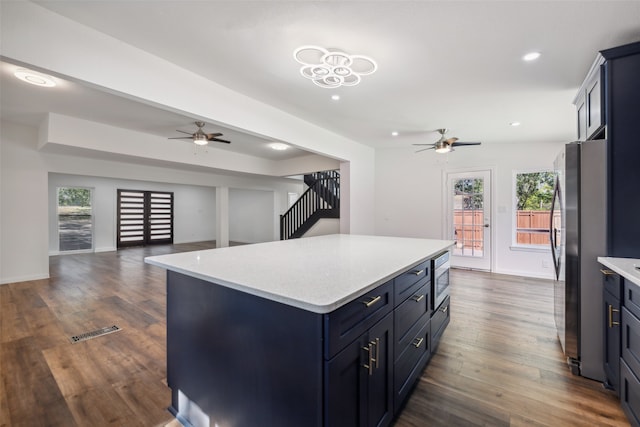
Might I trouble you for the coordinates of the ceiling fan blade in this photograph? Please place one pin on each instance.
(465, 143)
(424, 149)
(433, 145)
(182, 137)
(212, 135)
(450, 141)
(181, 131)
(220, 140)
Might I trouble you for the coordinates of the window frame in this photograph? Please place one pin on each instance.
(515, 246)
(93, 225)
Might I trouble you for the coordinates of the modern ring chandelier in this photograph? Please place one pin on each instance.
(331, 68)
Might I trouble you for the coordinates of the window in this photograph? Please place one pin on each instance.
(533, 196)
(75, 223)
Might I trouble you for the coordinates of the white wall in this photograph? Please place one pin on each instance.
(409, 195)
(194, 209)
(25, 197)
(323, 227)
(250, 216)
(23, 207)
(137, 74)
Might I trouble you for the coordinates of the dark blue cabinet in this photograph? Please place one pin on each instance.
(621, 105)
(358, 380)
(608, 107)
(612, 341)
(240, 359)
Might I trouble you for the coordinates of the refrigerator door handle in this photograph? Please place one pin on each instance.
(553, 231)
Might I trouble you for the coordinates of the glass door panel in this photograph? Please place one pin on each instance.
(75, 219)
(469, 218)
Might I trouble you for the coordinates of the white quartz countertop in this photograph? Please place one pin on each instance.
(317, 274)
(626, 267)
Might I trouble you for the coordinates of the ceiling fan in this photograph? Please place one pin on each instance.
(444, 145)
(201, 138)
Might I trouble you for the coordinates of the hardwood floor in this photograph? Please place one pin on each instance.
(499, 362)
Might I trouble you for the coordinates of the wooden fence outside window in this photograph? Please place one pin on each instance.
(532, 227)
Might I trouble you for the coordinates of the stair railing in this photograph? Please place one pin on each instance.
(320, 200)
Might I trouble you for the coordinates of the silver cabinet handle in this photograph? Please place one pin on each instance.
(607, 272)
(611, 311)
(417, 298)
(372, 301)
(372, 360)
(444, 309)
(369, 366)
(377, 358)
(418, 272)
(418, 342)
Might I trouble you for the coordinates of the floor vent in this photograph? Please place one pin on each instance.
(94, 334)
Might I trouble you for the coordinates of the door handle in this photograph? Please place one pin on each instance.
(486, 226)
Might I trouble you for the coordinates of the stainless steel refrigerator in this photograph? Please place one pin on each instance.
(578, 237)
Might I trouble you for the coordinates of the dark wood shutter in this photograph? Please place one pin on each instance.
(160, 217)
(144, 217)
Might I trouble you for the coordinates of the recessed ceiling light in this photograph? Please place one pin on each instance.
(335, 97)
(34, 78)
(278, 146)
(514, 124)
(394, 133)
(531, 56)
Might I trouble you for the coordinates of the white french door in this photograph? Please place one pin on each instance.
(469, 218)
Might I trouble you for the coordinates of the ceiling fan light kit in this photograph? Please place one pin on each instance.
(201, 138)
(445, 145)
(331, 68)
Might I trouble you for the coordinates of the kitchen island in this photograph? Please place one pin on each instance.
(321, 331)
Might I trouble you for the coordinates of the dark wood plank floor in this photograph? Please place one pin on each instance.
(499, 362)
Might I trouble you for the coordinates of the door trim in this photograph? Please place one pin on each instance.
(492, 211)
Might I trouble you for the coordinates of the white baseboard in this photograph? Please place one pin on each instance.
(549, 276)
(106, 249)
(16, 279)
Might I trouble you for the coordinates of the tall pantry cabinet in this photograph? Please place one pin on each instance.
(608, 107)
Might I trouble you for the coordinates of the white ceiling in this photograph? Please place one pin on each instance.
(441, 64)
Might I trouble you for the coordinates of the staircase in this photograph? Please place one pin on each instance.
(321, 200)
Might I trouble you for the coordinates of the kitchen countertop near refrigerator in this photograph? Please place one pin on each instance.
(629, 268)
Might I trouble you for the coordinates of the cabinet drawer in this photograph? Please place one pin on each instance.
(631, 297)
(439, 321)
(411, 362)
(630, 394)
(409, 312)
(612, 282)
(347, 323)
(412, 279)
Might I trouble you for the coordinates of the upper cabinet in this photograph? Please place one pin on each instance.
(590, 106)
(608, 107)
